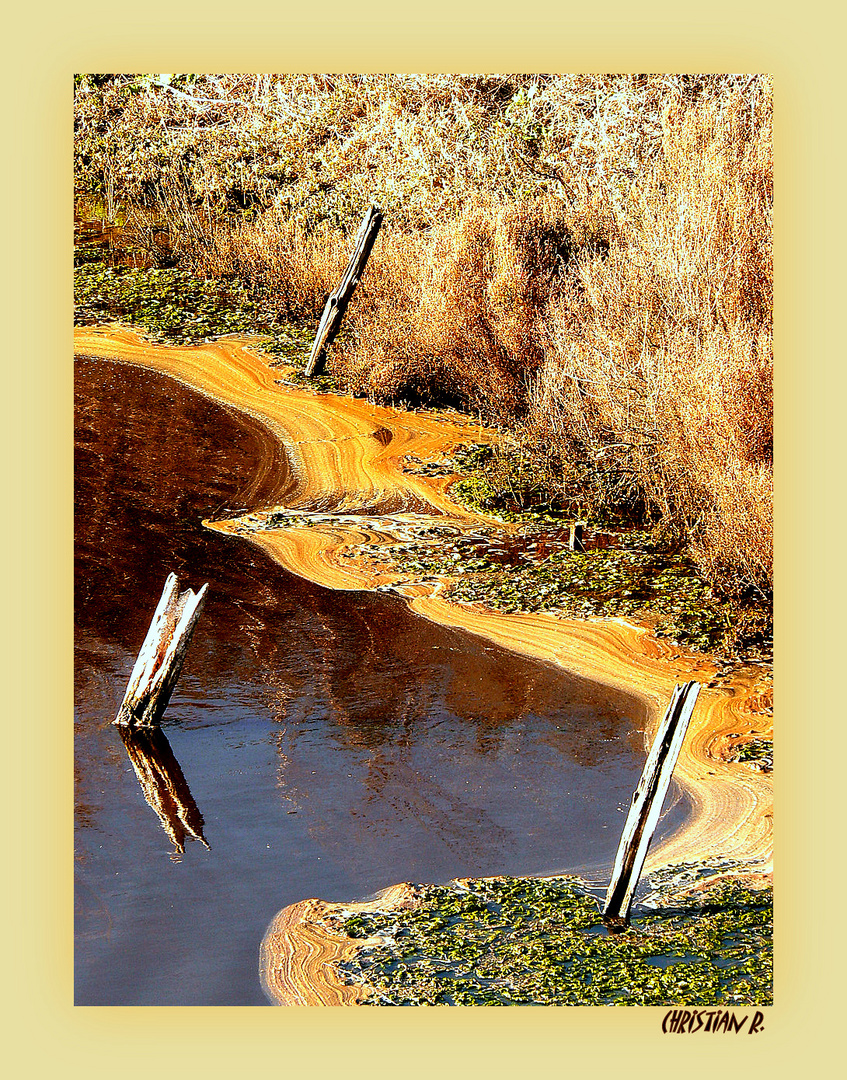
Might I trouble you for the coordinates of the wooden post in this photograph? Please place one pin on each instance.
(647, 803)
(162, 654)
(575, 540)
(337, 303)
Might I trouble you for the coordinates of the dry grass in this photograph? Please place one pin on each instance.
(588, 257)
(660, 370)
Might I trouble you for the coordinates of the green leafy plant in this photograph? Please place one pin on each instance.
(517, 941)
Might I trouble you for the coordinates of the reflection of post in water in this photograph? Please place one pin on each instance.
(163, 784)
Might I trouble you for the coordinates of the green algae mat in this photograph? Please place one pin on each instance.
(516, 941)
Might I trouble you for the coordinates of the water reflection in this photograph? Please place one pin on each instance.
(163, 784)
(335, 742)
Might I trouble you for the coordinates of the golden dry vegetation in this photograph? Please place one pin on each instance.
(585, 259)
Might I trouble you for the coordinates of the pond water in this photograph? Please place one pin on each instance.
(320, 743)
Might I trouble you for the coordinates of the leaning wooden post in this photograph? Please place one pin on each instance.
(162, 654)
(647, 803)
(337, 303)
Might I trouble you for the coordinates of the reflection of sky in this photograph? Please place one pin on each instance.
(333, 742)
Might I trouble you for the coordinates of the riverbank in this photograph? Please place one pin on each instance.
(347, 460)
(699, 939)
(584, 259)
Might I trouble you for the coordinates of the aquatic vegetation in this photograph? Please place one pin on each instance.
(760, 985)
(756, 752)
(518, 941)
(624, 572)
(633, 580)
(176, 306)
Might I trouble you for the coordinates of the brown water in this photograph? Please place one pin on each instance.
(322, 743)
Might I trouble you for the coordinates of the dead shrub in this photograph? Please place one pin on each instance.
(463, 324)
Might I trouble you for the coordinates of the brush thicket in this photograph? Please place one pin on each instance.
(585, 258)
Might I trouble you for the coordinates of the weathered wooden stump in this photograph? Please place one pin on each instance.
(647, 803)
(162, 654)
(337, 303)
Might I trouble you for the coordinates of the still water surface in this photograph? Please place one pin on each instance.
(322, 743)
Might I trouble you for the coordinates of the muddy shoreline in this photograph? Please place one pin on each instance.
(343, 462)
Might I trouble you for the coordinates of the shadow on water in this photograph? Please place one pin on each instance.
(335, 742)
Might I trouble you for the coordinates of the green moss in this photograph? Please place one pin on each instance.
(516, 941)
